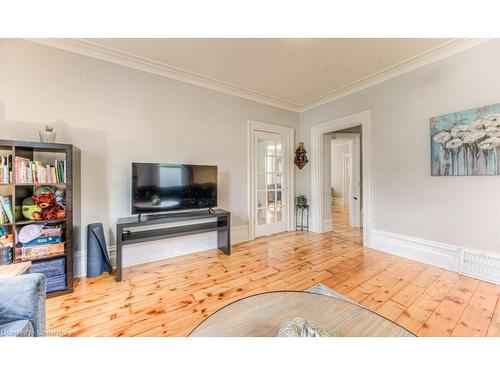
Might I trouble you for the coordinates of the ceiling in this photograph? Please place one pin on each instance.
(289, 73)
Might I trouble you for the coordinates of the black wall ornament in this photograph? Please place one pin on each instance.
(301, 156)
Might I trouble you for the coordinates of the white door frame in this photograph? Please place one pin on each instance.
(317, 198)
(254, 126)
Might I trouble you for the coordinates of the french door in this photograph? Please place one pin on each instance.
(271, 183)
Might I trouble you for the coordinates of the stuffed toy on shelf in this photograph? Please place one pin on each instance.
(47, 203)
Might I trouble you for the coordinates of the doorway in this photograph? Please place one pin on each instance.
(320, 202)
(271, 176)
(344, 161)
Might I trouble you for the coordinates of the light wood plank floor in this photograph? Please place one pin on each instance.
(170, 297)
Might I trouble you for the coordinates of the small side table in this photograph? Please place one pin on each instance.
(302, 217)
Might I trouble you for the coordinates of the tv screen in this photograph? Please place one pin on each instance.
(158, 187)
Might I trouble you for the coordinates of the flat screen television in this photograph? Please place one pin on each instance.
(158, 187)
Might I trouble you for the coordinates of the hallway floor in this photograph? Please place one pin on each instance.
(341, 226)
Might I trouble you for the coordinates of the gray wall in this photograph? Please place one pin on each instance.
(463, 211)
(117, 115)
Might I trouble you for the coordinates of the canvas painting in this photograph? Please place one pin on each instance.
(466, 143)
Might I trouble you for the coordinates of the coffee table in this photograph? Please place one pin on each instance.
(262, 314)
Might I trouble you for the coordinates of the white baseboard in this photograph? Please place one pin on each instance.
(328, 225)
(164, 249)
(482, 265)
(239, 234)
(430, 252)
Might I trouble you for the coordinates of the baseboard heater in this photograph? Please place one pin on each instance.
(480, 264)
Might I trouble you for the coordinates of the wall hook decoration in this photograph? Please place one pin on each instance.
(301, 156)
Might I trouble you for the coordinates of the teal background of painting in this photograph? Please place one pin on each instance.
(446, 122)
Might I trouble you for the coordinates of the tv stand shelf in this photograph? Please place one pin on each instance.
(124, 236)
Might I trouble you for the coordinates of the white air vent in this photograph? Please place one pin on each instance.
(481, 265)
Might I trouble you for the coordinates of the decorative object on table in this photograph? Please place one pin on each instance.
(466, 143)
(48, 135)
(299, 327)
(97, 251)
(300, 156)
(302, 217)
(301, 200)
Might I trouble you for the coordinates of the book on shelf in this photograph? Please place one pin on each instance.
(38, 172)
(6, 216)
(5, 169)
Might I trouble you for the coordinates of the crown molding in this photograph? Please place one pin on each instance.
(91, 49)
(406, 66)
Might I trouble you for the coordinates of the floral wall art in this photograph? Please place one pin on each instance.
(466, 143)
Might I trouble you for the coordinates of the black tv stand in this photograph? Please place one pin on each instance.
(124, 236)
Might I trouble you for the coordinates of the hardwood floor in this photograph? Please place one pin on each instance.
(170, 297)
(341, 226)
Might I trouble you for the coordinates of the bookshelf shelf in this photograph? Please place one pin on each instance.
(24, 222)
(41, 258)
(70, 174)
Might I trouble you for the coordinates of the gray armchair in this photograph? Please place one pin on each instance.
(22, 305)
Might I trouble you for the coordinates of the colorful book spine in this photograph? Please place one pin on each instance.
(3, 216)
(6, 203)
(27, 171)
(5, 169)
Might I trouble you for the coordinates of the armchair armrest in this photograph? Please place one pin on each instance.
(23, 298)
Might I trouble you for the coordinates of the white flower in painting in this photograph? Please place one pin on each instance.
(493, 133)
(493, 128)
(492, 120)
(476, 125)
(442, 137)
(459, 131)
(454, 143)
(473, 137)
(490, 143)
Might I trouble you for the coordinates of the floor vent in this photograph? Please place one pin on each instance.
(479, 264)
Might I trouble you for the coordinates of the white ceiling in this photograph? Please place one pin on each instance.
(296, 74)
(296, 71)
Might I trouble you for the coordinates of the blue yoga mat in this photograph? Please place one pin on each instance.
(97, 252)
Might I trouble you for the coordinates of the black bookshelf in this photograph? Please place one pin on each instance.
(19, 191)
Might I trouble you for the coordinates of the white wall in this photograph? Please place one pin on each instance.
(117, 115)
(339, 150)
(463, 211)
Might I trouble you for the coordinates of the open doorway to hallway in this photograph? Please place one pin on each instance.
(343, 182)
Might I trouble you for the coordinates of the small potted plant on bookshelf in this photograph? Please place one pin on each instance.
(301, 200)
(48, 135)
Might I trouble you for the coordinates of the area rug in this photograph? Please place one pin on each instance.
(323, 289)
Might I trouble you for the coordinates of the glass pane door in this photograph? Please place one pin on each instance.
(270, 184)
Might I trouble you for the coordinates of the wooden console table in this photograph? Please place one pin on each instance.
(124, 235)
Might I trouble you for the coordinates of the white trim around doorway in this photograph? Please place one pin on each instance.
(289, 133)
(317, 196)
